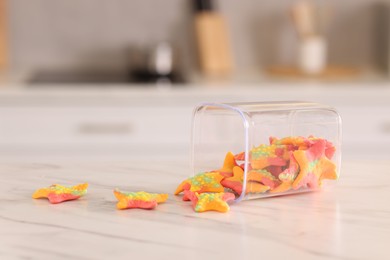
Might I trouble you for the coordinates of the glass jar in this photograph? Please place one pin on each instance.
(274, 148)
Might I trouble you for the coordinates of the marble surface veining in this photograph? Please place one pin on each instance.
(348, 221)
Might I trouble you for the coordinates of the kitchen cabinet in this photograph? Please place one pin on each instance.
(146, 120)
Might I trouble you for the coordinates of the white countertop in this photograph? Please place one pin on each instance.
(350, 221)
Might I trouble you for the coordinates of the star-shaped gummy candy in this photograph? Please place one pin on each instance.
(228, 165)
(303, 143)
(235, 183)
(57, 193)
(210, 201)
(314, 166)
(263, 176)
(140, 200)
(288, 176)
(268, 155)
(200, 183)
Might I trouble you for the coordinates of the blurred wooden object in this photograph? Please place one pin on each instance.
(311, 21)
(212, 38)
(330, 72)
(213, 44)
(3, 35)
(303, 15)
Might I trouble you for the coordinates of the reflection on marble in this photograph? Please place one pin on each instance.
(349, 221)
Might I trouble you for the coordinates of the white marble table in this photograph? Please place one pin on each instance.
(351, 221)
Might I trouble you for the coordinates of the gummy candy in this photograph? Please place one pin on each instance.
(289, 163)
(228, 165)
(57, 193)
(235, 182)
(267, 155)
(314, 166)
(210, 201)
(287, 176)
(203, 182)
(263, 176)
(140, 200)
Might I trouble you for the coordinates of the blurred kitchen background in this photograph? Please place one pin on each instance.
(122, 76)
(109, 37)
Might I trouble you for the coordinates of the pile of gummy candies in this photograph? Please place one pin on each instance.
(286, 164)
